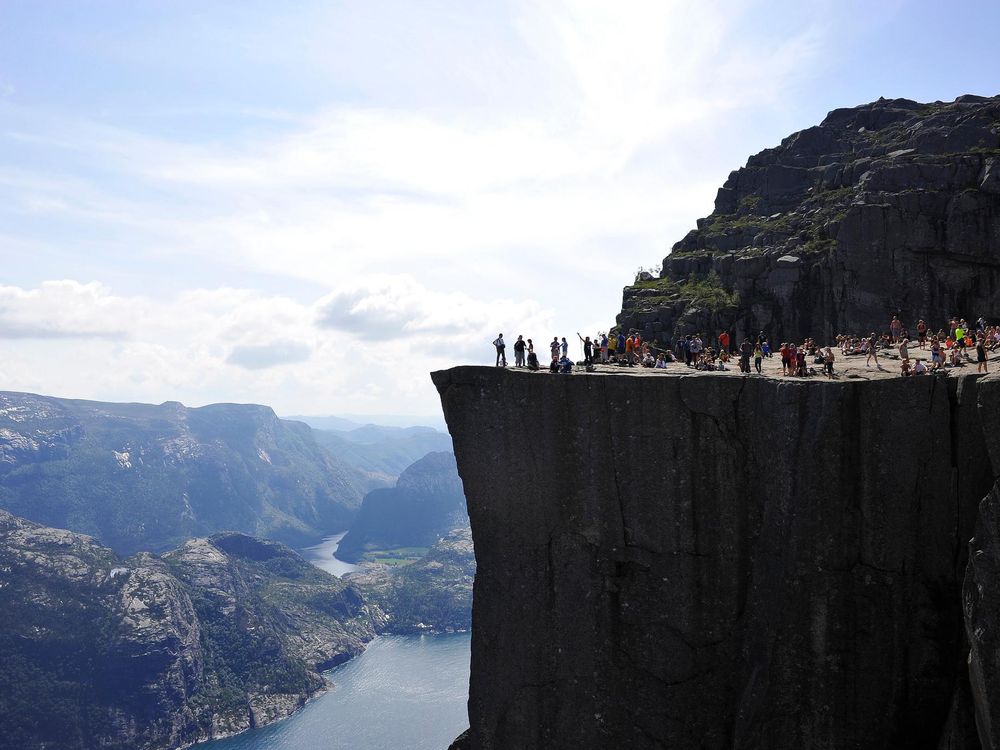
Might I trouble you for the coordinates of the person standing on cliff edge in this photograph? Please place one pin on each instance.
(519, 347)
(724, 341)
(501, 349)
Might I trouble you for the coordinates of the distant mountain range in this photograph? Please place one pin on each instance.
(144, 477)
(353, 421)
(383, 452)
(147, 477)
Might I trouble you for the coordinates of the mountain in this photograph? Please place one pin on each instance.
(144, 477)
(433, 593)
(383, 452)
(353, 421)
(218, 636)
(426, 503)
(888, 208)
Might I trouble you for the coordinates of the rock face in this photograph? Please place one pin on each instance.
(143, 477)
(425, 504)
(891, 207)
(713, 562)
(221, 635)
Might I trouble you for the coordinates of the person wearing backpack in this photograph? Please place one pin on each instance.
(501, 348)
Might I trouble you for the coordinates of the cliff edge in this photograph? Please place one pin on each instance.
(704, 562)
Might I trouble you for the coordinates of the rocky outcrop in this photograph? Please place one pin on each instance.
(221, 635)
(425, 504)
(143, 477)
(432, 594)
(708, 561)
(890, 207)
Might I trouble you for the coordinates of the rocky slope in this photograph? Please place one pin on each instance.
(425, 504)
(143, 477)
(220, 635)
(890, 207)
(706, 562)
(432, 594)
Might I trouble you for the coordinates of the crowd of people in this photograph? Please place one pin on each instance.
(954, 346)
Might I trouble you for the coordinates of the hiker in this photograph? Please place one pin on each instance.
(612, 348)
(904, 350)
(501, 346)
(564, 347)
(872, 351)
(828, 362)
(785, 359)
(604, 348)
(629, 351)
(519, 347)
(724, 341)
(697, 347)
(921, 333)
(746, 349)
(895, 326)
(758, 357)
(981, 354)
(554, 347)
(588, 349)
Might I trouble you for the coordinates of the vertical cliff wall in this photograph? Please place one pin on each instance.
(711, 561)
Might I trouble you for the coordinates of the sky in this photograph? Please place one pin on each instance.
(312, 205)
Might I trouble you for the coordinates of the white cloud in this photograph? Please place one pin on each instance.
(61, 310)
(225, 344)
(513, 183)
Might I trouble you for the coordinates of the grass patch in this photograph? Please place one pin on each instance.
(709, 292)
(395, 556)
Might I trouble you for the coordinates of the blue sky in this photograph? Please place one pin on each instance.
(313, 204)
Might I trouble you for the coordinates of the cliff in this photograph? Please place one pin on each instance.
(145, 477)
(221, 635)
(709, 561)
(890, 207)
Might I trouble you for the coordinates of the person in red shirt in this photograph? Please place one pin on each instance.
(724, 341)
(785, 358)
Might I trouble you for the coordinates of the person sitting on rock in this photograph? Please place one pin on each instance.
(565, 364)
(532, 360)
(661, 362)
(919, 368)
(904, 368)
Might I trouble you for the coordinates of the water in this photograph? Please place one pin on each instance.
(322, 556)
(403, 692)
